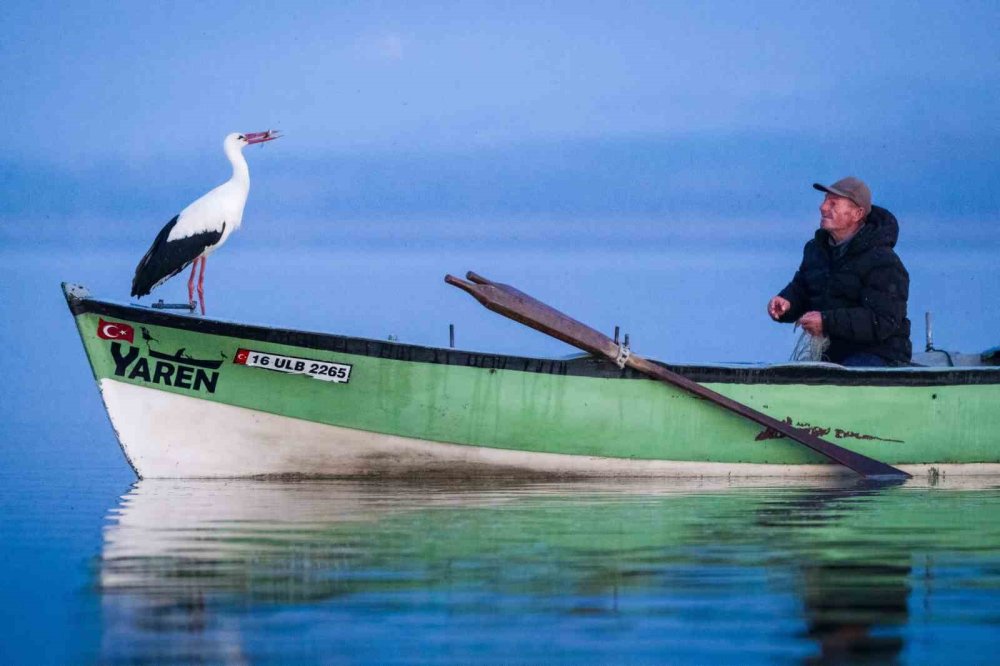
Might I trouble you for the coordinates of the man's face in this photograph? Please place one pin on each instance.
(839, 215)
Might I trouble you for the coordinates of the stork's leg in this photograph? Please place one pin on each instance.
(194, 267)
(201, 284)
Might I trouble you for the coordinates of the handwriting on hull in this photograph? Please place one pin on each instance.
(818, 431)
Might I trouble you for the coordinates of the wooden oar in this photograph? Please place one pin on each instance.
(517, 305)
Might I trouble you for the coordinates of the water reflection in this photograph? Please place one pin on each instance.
(259, 571)
(854, 594)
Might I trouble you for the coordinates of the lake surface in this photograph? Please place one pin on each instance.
(98, 568)
(636, 572)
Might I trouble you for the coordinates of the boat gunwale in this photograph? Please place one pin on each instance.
(586, 366)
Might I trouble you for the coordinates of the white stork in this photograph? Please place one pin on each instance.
(202, 227)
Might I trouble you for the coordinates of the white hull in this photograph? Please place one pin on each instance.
(167, 435)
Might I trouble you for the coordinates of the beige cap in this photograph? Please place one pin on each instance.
(852, 188)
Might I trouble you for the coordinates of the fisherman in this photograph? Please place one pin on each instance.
(851, 287)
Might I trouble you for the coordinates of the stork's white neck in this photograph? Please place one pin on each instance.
(241, 173)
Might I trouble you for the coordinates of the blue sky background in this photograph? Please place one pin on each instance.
(672, 144)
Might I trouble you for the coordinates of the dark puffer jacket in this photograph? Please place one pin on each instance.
(861, 294)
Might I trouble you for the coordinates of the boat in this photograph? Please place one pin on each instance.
(194, 397)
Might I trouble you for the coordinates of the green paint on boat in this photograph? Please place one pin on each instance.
(547, 409)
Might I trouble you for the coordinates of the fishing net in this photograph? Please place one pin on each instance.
(809, 347)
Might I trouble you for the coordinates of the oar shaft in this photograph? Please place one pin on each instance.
(846, 457)
(517, 305)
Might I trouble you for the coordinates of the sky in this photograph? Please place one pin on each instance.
(638, 132)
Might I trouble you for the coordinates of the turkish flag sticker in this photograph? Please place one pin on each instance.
(111, 330)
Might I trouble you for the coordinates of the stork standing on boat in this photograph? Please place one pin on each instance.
(202, 227)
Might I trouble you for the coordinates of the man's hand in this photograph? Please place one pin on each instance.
(812, 322)
(777, 307)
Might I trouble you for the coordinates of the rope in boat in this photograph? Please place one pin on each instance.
(623, 353)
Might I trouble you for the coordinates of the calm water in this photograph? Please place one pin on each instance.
(338, 571)
(96, 568)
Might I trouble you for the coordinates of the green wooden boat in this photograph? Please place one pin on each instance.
(196, 397)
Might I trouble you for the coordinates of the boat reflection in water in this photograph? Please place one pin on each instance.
(697, 571)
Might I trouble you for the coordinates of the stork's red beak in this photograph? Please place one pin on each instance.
(261, 137)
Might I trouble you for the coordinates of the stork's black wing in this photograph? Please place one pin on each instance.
(165, 259)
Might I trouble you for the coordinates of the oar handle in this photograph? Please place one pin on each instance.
(461, 284)
(515, 304)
